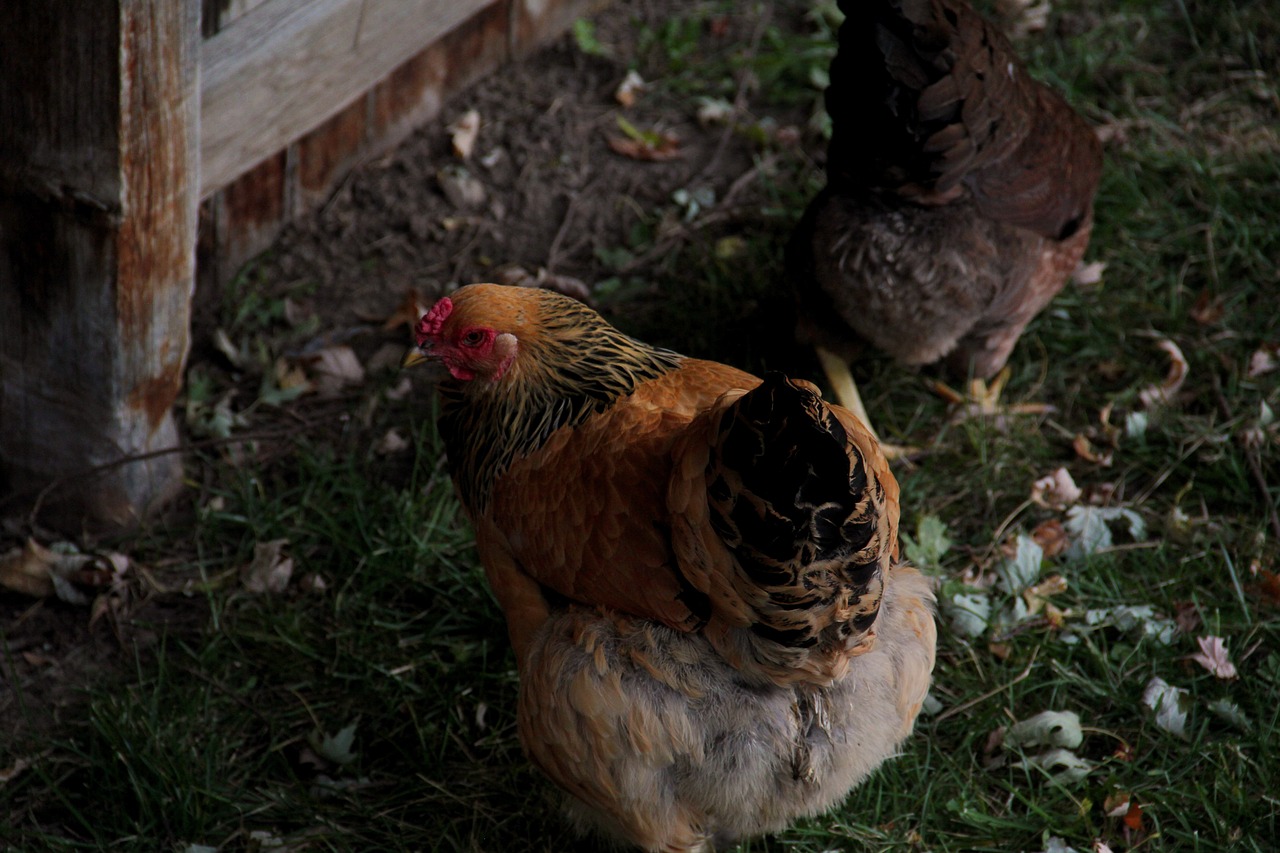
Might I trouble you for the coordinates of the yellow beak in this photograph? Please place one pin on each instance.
(413, 357)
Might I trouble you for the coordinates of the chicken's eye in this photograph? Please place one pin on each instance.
(473, 338)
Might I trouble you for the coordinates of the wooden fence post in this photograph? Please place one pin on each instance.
(99, 177)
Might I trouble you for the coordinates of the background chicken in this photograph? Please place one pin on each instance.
(697, 570)
(959, 194)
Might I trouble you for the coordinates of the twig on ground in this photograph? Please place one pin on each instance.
(182, 447)
(959, 709)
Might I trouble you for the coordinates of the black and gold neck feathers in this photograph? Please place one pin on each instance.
(569, 366)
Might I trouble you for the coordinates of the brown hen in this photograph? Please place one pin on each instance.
(959, 194)
(697, 568)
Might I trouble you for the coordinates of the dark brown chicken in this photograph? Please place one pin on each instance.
(697, 568)
(959, 193)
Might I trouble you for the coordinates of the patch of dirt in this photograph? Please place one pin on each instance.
(552, 195)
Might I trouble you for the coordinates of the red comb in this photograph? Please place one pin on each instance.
(429, 324)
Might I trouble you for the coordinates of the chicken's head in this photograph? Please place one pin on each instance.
(469, 349)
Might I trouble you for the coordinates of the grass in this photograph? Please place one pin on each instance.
(228, 736)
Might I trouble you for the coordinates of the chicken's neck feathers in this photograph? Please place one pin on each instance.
(574, 370)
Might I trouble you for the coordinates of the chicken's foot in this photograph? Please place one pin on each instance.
(983, 398)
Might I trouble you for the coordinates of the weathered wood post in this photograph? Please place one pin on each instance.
(99, 180)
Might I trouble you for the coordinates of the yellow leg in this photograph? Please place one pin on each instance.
(846, 391)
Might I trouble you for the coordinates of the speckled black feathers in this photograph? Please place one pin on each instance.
(790, 496)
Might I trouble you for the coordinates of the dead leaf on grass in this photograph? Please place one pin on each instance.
(629, 89)
(650, 145)
(1213, 657)
(1085, 450)
(26, 570)
(1052, 537)
(333, 368)
(335, 748)
(401, 390)
(1037, 598)
(1163, 394)
(1056, 490)
(1116, 804)
(1089, 274)
(60, 571)
(1208, 308)
(1023, 17)
(713, 111)
(1269, 587)
(269, 570)
(290, 378)
(463, 133)
(1186, 616)
(463, 189)
(222, 343)
(391, 442)
(1090, 531)
(1169, 704)
(9, 773)
(1265, 359)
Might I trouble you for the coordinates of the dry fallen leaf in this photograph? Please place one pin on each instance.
(391, 442)
(1162, 394)
(10, 772)
(1052, 537)
(1269, 587)
(26, 570)
(1056, 490)
(665, 147)
(1213, 657)
(290, 377)
(269, 570)
(630, 87)
(1186, 616)
(1169, 704)
(714, 111)
(1047, 728)
(463, 133)
(1023, 17)
(1089, 274)
(60, 571)
(1085, 450)
(1037, 598)
(1208, 308)
(463, 189)
(401, 390)
(644, 144)
(1265, 359)
(334, 367)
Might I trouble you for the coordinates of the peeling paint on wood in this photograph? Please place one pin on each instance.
(97, 226)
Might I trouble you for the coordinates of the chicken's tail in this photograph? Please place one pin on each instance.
(801, 497)
(929, 100)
